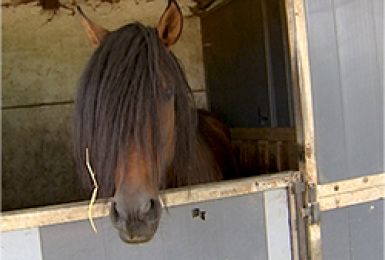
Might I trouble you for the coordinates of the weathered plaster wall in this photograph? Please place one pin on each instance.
(42, 62)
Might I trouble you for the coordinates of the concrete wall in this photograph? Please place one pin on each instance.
(42, 61)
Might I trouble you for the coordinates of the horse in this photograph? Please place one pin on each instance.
(135, 113)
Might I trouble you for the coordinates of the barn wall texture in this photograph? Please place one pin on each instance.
(43, 56)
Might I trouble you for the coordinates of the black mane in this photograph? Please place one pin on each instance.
(118, 94)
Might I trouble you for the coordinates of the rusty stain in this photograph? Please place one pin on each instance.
(337, 202)
(308, 151)
(336, 188)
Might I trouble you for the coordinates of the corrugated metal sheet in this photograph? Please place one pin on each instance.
(354, 232)
(346, 46)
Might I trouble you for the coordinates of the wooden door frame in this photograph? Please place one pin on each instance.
(310, 243)
(328, 196)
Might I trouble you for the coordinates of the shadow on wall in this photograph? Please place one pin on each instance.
(38, 168)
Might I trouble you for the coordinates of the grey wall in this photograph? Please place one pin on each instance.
(346, 61)
(255, 227)
(355, 232)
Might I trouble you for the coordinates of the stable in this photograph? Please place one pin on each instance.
(299, 82)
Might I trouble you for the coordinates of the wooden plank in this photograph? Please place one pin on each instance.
(351, 185)
(279, 156)
(305, 94)
(70, 212)
(270, 134)
(350, 192)
(352, 198)
(286, 156)
(263, 157)
(302, 95)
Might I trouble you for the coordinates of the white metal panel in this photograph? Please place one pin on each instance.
(277, 224)
(21, 244)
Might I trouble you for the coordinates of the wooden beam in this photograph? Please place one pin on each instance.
(267, 134)
(303, 106)
(51, 215)
(351, 192)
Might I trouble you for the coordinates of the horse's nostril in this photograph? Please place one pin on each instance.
(113, 212)
(146, 207)
(150, 210)
(149, 206)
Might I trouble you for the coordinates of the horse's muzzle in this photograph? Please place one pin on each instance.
(136, 225)
(127, 238)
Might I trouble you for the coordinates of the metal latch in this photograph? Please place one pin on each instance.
(311, 208)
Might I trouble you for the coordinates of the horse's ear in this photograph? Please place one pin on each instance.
(170, 24)
(95, 33)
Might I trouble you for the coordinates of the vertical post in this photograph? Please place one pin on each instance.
(299, 58)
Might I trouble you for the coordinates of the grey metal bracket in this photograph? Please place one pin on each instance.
(311, 208)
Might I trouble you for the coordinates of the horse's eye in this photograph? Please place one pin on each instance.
(169, 93)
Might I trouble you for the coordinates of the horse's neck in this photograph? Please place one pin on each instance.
(213, 159)
(216, 141)
(214, 156)
(206, 168)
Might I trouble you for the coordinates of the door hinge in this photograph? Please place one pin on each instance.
(310, 208)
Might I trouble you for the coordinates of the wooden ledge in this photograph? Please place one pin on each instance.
(69, 212)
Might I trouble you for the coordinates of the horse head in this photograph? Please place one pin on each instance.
(134, 112)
